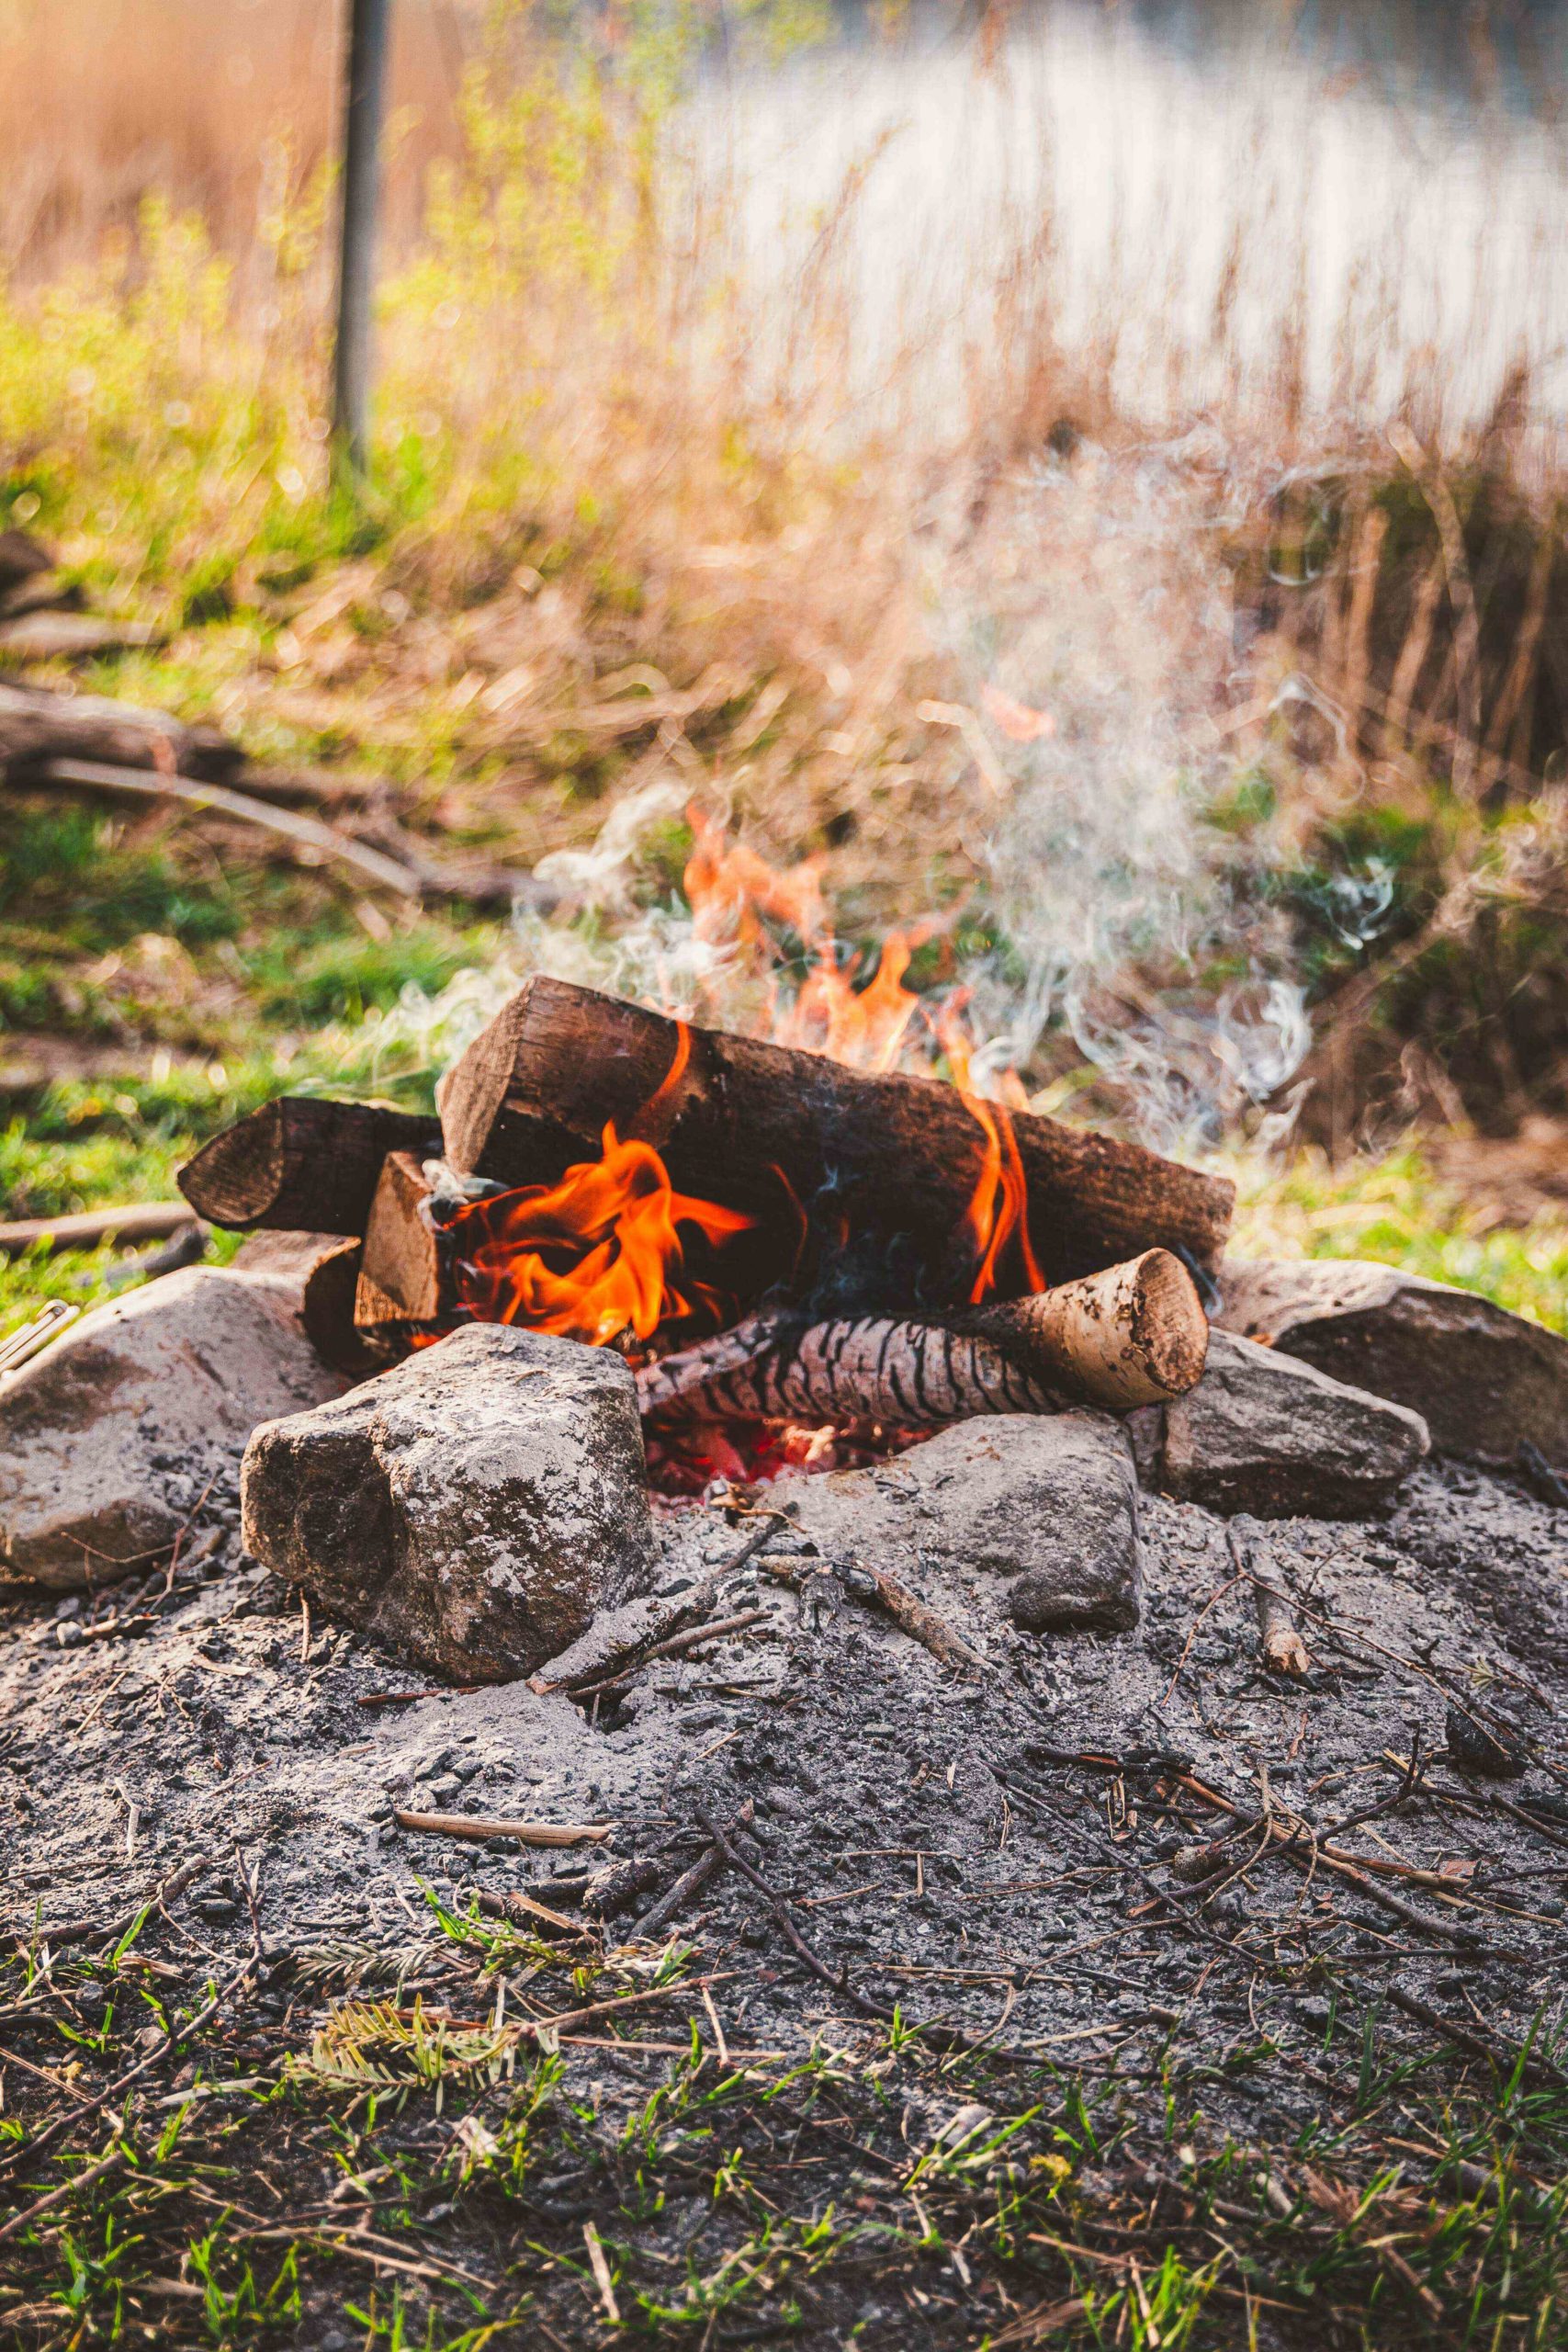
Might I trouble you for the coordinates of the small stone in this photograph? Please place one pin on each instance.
(477, 1505)
(1263, 1432)
(1483, 1380)
(1475, 1749)
(1048, 1500)
(172, 1372)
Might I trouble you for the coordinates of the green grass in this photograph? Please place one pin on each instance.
(764, 2199)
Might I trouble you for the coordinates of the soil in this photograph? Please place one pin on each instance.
(945, 1853)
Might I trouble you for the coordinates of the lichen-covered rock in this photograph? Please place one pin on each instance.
(109, 1437)
(474, 1506)
(1482, 1379)
(1264, 1432)
(1049, 1502)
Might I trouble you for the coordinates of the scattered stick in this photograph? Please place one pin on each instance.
(1496, 2052)
(907, 1609)
(694, 1638)
(780, 1909)
(526, 1833)
(41, 2205)
(1282, 1648)
(654, 1620)
(408, 1698)
(674, 1899)
(81, 1931)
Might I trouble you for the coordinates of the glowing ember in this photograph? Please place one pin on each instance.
(594, 1257)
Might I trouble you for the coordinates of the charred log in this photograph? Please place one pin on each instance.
(888, 1163)
(302, 1163)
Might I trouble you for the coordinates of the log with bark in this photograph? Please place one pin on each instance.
(326, 1268)
(899, 1374)
(881, 1171)
(303, 1163)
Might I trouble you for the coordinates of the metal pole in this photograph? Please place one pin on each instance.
(365, 89)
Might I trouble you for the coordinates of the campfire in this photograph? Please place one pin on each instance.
(801, 1261)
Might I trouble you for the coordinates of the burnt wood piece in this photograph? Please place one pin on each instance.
(775, 1133)
(402, 1271)
(37, 727)
(1136, 1334)
(303, 1163)
(868, 1368)
(326, 1268)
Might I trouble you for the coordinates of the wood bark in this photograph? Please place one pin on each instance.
(401, 1273)
(37, 727)
(1136, 1334)
(304, 1163)
(883, 1168)
(868, 1368)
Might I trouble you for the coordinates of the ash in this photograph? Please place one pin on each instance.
(1006, 1852)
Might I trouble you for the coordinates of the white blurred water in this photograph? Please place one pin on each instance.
(1197, 210)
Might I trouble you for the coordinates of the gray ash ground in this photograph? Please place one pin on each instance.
(939, 1849)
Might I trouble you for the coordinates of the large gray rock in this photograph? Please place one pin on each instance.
(1048, 1501)
(1480, 1378)
(1263, 1432)
(109, 1438)
(474, 1506)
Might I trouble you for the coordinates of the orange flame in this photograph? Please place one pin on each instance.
(592, 1257)
(729, 887)
(998, 1206)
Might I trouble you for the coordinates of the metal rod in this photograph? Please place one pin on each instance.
(369, 40)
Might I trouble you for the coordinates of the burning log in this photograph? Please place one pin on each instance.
(1136, 1334)
(869, 1368)
(777, 1133)
(302, 1163)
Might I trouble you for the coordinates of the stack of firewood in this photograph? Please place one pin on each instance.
(853, 1188)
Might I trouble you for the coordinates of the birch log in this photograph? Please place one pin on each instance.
(1136, 1334)
(901, 1374)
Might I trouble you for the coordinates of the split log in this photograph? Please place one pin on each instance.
(401, 1275)
(1136, 1334)
(902, 1375)
(776, 1133)
(326, 1268)
(37, 727)
(303, 1163)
